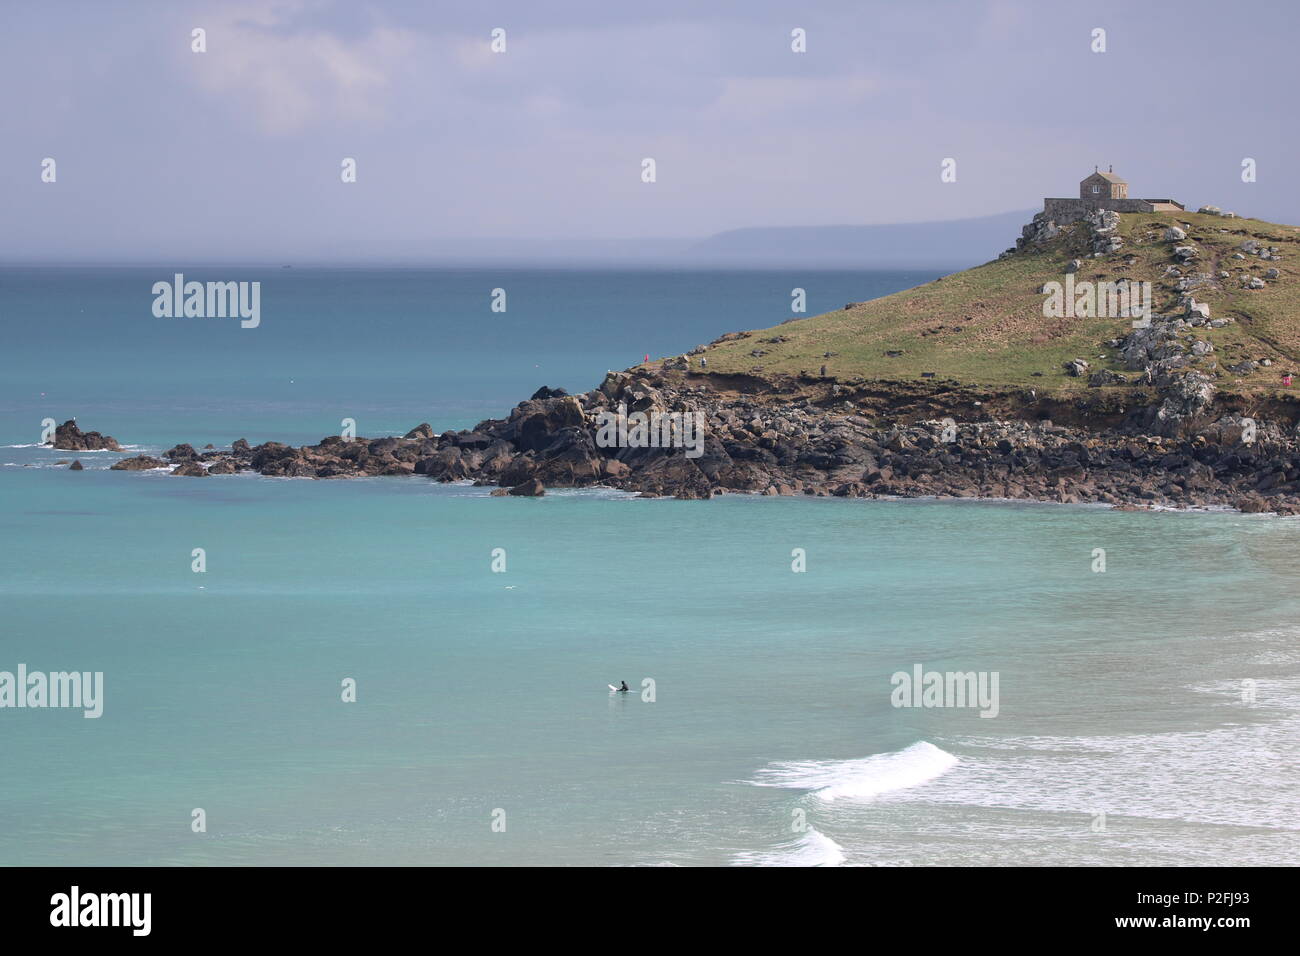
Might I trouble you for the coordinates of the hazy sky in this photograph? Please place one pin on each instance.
(238, 149)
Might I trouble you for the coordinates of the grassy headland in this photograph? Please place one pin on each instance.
(985, 328)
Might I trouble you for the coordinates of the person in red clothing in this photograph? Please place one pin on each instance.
(1286, 379)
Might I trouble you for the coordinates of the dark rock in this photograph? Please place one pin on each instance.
(536, 422)
(138, 463)
(473, 440)
(76, 466)
(545, 392)
(181, 453)
(446, 463)
(287, 468)
(71, 438)
(269, 452)
(529, 489)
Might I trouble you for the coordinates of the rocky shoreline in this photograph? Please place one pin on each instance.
(802, 444)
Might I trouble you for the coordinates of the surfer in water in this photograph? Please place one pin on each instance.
(623, 689)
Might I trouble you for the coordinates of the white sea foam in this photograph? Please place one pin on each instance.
(860, 779)
(811, 848)
(1239, 773)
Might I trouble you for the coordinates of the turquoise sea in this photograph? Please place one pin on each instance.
(1146, 714)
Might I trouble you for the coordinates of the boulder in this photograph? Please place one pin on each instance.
(536, 422)
(76, 466)
(446, 463)
(181, 453)
(532, 488)
(545, 392)
(1106, 377)
(190, 469)
(422, 430)
(138, 463)
(518, 471)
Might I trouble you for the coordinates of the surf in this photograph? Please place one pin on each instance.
(860, 779)
(810, 848)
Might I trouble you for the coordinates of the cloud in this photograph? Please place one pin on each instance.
(291, 78)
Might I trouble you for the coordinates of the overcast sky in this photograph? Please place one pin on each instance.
(238, 150)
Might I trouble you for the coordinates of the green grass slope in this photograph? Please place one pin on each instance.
(985, 326)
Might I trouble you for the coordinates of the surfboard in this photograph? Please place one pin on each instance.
(612, 687)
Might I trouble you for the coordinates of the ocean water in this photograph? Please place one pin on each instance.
(1146, 714)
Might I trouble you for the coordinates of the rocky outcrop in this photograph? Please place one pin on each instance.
(1173, 448)
(1039, 230)
(71, 438)
(1185, 398)
(1104, 226)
